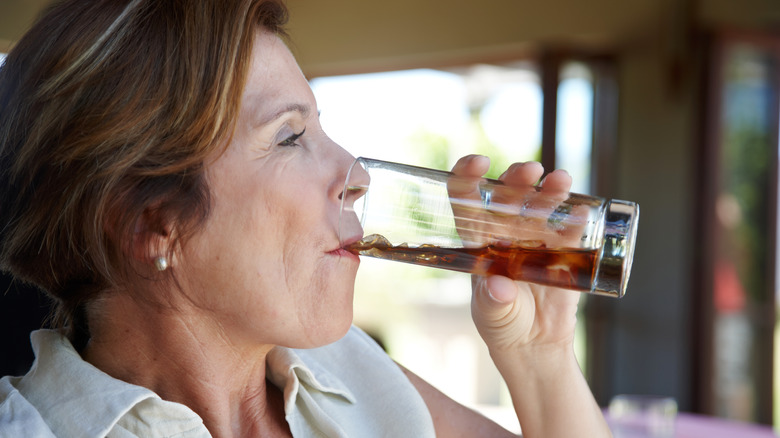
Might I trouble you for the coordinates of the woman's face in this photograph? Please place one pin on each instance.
(268, 266)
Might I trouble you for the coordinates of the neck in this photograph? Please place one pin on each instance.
(185, 357)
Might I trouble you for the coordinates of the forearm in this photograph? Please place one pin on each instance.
(550, 394)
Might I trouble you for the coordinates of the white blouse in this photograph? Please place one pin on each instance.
(350, 388)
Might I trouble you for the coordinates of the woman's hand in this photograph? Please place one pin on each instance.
(515, 315)
(529, 331)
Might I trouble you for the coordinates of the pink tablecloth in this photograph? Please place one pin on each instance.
(701, 426)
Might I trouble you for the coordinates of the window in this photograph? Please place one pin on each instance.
(431, 117)
(738, 240)
(574, 124)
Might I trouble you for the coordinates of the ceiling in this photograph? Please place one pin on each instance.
(338, 36)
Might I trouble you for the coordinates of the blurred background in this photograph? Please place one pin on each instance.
(674, 104)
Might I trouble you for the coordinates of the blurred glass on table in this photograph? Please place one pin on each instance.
(642, 416)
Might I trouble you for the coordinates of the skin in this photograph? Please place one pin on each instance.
(267, 269)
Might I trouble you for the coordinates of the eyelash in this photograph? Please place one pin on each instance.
(291, 140)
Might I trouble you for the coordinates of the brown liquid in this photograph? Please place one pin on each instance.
(568, 268)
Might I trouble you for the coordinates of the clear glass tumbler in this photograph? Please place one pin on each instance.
(642, 416)
(482, 226)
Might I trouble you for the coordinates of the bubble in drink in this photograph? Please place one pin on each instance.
(531, 261)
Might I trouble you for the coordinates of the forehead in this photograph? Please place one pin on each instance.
(273, 70)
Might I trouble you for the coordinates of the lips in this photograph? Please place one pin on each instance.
(342, 252)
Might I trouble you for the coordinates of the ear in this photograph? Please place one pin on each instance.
(152, 238)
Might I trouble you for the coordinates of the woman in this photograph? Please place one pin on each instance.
(170, 186)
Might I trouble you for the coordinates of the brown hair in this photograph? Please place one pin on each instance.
(108, 111)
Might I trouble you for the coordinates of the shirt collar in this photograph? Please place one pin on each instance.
(76, 398)
(286, 369)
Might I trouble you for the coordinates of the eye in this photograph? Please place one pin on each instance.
(291, 140)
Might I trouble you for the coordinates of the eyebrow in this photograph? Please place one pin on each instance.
(303, 109)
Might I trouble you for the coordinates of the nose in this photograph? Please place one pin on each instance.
(355, 183)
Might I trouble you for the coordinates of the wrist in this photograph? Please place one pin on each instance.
(536, 361)
(549, 392)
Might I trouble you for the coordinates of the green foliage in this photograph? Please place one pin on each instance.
(412, 203)
(430, 150)
(433, 150)
(499, 161)
(747, 156)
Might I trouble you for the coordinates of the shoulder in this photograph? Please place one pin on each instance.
(63, 395)
(18, 417)
(375, 396)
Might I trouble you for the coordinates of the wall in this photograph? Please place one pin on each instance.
(652, 334)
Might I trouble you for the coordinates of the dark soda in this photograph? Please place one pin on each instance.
(531, 261)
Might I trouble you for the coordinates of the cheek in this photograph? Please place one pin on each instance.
(285, 230)
(328, 312)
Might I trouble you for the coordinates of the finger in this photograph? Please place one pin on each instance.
(501, 290)
(494, 292)
(472, 166)
(468, 171)
(495, 305)
(557, 181)
(518, 188)
(527, 173)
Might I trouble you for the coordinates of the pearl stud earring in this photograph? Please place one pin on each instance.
(161, 263)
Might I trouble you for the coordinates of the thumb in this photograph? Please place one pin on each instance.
(493, 297)
(500, 312)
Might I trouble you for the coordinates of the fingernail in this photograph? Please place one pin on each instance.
(513, 167)
(490, 294)
(541, 183)
(477, 157)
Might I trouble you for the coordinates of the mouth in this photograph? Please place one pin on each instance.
(343, 252)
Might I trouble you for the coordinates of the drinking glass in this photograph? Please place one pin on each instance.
(482, 226)
(642, 416)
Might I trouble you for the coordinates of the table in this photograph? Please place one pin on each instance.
(701, 426)
(695, 426)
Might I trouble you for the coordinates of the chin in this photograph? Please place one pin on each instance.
(338, 331)
(330, 319)
(330, 331)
